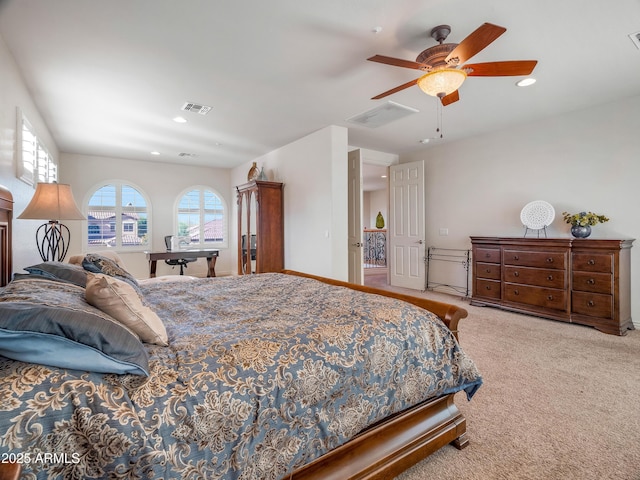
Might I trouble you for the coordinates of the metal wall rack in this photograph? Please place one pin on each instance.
(452, 255)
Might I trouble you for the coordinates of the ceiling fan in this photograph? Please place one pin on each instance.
(444, 63)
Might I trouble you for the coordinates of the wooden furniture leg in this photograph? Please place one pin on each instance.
(152, 268)
(211, 266)
(10, 471)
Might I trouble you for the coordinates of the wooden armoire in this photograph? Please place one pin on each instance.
(260, 227)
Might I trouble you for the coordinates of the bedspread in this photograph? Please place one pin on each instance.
(263, 373)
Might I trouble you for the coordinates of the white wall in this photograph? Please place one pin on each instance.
(584, 160)
(13, 94)
(162, 183)
(314, 172)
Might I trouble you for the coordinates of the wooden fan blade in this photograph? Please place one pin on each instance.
(501, 69)
(474, 43)
(397, 89)
(449, 99)
(398, 62)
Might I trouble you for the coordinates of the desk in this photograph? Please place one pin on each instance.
(210, 255)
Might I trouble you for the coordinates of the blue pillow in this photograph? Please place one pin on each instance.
(60, 271)
(98, 264)
(49, 322)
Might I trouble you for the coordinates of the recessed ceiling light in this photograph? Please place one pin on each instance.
(180, 120)
(525, 82)
(376, 29)
(383, 176)
(425, 140)
(154, 153)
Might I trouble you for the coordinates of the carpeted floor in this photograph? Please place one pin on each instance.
(559, 401)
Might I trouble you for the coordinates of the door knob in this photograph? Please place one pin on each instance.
(357, 244)
(420, 242)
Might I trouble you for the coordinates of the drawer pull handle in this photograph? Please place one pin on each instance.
(487, 255)
(488, 287)
(550, 277)
(516, 274)
(550, 260)
(516, 292)
(516, 257)
(591, 281)
(488, 270)
(591, 262)
(591, 303)
(550, 297)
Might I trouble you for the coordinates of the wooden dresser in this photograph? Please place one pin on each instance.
(585, 281)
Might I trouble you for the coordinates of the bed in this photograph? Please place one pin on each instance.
(268, 376)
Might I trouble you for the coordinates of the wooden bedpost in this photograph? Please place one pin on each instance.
(6, 217)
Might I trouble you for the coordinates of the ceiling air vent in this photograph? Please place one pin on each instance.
(379, 116)
(196, 108)
(184, 154)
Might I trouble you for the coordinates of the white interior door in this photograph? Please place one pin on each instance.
(356, 268)
(406, 225)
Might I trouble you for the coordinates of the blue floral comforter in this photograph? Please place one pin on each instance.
(262, 374)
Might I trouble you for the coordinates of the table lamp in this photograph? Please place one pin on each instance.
(53, 202)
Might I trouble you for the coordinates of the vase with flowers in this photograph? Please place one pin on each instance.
(582, 222)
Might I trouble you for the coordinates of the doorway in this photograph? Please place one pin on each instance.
(375, 215)
(369, 187)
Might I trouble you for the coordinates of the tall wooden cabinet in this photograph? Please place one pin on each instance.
(585, 281)
(260, 227)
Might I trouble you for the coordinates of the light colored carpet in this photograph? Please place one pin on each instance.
(559, 401)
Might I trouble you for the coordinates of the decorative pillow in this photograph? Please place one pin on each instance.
(98, 264)
(49, 322)
(166, 279)
(110, 254)
(118, 299)
(60, 271)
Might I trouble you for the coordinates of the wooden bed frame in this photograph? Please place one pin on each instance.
(396, 443)
(380, 452)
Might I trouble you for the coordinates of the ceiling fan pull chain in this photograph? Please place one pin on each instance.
(439, 118)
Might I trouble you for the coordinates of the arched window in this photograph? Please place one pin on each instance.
(117, 216)
(201, 218)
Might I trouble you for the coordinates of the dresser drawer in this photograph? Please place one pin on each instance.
(592, 304)
(555, 260)
(487, 289)
(488, 270)
(542, 277)
(540, 297)
(593, 282)
(592, 262)
(489, 255)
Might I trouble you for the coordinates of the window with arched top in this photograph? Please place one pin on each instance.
(201, 218)
(117, 216)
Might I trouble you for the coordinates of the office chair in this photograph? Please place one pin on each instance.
(182, 262)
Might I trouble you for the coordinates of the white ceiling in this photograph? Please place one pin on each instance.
(108, 76)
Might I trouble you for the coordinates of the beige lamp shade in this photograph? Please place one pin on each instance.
(52, 201)
(441, 83)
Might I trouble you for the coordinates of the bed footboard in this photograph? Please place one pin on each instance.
(390, 447)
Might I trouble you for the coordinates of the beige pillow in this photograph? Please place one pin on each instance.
(166, 279)
(119, 299)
